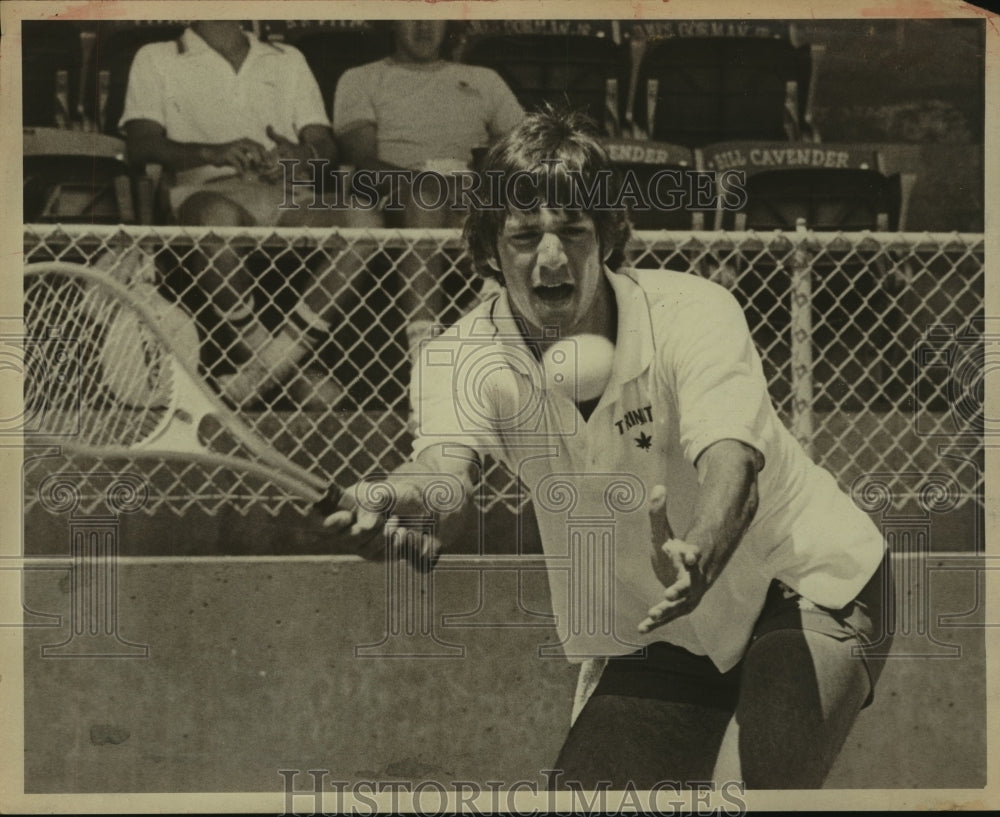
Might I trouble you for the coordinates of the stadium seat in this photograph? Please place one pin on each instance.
(663, 176)
(581, 72)
(75, 176)
(50, 86)
(829, 186)
(695, 91)
(331, 51)
(854, 288)
(644, 160)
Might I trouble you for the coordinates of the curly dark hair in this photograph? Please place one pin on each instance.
(550, 141)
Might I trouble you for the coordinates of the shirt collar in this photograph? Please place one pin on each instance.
(433, 65)
(634, 341)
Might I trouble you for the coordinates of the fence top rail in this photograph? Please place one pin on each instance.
(452, 237)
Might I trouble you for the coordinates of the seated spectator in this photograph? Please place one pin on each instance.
(218, 109)
(412, 111)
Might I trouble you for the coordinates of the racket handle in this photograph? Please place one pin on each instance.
(329, 503)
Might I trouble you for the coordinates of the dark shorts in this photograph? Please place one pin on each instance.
(667, 672)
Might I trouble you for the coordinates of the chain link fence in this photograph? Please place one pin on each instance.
(873, 344)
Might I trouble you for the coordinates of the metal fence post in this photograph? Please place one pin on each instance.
(801, 339)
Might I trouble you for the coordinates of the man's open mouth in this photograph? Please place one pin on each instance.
(555, 294)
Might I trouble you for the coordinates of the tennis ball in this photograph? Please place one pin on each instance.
(579, 366)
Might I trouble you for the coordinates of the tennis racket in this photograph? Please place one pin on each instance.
(128, 383)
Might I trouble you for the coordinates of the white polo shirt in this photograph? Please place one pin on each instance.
(190, 89)
(686, 375)
(438, 110)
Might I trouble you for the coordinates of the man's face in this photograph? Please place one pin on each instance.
(419, 40)
(552, 267)
(217, 28)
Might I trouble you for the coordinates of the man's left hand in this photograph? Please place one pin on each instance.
(675, 564)
(681, 597)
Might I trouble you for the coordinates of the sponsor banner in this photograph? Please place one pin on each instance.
(759, 156)
(636, 151)
(690, 29)
(581, 28)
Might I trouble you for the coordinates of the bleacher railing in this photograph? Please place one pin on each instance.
(874, 346)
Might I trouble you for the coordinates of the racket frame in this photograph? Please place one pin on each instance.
(191, 402)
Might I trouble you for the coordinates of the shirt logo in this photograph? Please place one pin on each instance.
(644, 441)
(634, 418)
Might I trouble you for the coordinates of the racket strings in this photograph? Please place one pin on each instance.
(110, 382)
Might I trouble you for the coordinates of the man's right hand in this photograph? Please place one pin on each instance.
(243, 154)
(384, 519)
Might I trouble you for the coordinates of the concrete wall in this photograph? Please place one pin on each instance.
(252, 667)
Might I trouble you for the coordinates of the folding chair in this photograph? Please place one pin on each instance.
(576, 71)
(76, 177)
(51, 54)
(663, 174)
(694, 91)
(829, 186)
(854, 287)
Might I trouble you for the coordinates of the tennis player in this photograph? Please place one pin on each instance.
(737, 627)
